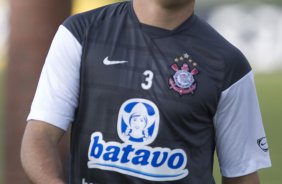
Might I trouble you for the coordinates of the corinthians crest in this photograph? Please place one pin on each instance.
(182, 81)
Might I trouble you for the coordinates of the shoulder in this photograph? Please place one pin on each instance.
(78, 24)
(235, 64)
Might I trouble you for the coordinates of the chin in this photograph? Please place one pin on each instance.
(171, 4)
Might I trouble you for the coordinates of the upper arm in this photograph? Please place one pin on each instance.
(40, 154)
(39, 136)
(39, 130)
(56, 97)
(57, 92)
(239, 133)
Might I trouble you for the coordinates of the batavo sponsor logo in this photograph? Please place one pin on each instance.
(138, 123)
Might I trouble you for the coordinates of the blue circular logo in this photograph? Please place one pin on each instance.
(138, 121)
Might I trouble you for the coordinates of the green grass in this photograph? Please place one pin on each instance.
(269, 87)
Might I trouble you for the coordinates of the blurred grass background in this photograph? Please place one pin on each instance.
(269, 89)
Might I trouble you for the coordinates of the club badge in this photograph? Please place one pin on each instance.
(183, 81)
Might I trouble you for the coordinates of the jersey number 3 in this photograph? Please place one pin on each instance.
(149, 75)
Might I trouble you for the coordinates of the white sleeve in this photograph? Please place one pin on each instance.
(56, 97)
(240, 137)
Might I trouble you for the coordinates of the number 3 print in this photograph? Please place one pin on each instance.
(148, 80)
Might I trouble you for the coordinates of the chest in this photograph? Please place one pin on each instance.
(173, 70)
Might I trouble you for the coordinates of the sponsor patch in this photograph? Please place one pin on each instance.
(138, 122)
(137, 127)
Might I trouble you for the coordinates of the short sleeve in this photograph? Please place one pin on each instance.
(56, 96)
(240, 137)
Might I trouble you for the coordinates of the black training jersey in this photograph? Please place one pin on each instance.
(154, 103)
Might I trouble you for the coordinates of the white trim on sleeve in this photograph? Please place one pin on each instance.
(56, 97)
(238, 127)
(54, 119)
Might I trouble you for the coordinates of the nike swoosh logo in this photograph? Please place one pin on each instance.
(108, 62)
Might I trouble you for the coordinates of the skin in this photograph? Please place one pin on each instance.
(39, 151)
(166, 14)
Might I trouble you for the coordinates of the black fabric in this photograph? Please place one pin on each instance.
(186, 120)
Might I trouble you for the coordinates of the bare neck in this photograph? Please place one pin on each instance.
(151, 12)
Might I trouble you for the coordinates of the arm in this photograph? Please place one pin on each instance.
(55, 102)
(39, 153)
(252, 178)
(239, 130)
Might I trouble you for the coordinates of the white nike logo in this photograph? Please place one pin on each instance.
(108, 62)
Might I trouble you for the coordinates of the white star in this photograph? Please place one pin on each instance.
(186, 55)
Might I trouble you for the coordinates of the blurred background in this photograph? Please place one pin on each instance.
(27, 28)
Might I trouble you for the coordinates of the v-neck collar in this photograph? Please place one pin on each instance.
(157, 32)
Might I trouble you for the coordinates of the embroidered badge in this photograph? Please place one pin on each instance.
(183, 81)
